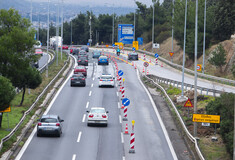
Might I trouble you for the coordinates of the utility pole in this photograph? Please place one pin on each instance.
(113, 28)
(48, 28)
(204, 40)
(90, 40)
(71, 32)
(172, 47)
(62, 21)
(57, 33)
(153, 25)
(195, 71)
(134, 23)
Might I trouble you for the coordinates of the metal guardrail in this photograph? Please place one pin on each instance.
(190, 137)
(186, 85)
(179, 67)
(33, 105)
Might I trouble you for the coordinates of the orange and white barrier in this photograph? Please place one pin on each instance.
(132, 143)
(125, 114)
(126, 130)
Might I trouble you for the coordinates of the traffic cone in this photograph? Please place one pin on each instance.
(149, 60)
(135, 66)
(162, 65)
(126, 61)
(132, 63)
(122, 106)
(126, 130)
(143, 69)
(147, 72)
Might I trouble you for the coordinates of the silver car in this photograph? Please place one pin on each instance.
(106, 80)
(97, 115)
(49, 125)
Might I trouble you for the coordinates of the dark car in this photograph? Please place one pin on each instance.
(80, 69)
(71, 49)
(83, 54)
(133, 56)
(103, 60)
(75, 51)
(82, 61)
(50, 125)
(85, 48)
(96, 54)
(78, 80)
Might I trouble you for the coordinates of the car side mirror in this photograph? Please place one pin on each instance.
(61, 120)
(88, 111)
(107, 111)
(98, 77)
(113, 77)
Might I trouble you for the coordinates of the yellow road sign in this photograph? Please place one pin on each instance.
(206, 118)
(171, 53)
(188, 103)
(133, 122)
(119, 44)
(7, 110)
(136, 45)
(123, 79)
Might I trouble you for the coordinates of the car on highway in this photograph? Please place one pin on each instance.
(71, 49)
(82, 53)
(85, 48)
(97, 115)
(65, 47)
(82, 61)
(38, 44)
(49, 125)
(106, 80)
(80, 69)
(75, 51)
(133, 56)
(96, 54)
(103, 60)
(78, 80)
(38, 52)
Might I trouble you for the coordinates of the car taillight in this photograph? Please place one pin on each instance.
(79, 61)
(83, 78)
(86, 60)
(111, 80)
(57, 124)
(101, 79)
(39, 124)
(104, 116)
(91, 115)
(72, 78)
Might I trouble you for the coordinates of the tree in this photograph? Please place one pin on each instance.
(7, 93)
(218, 57)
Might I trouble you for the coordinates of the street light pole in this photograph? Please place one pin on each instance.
(195, 71)
(90, 29)
(134, 23)
(57, 33)
(185, 24)
(62, 21)
(31, 12)
(48, 28)
(153, 27)
(71, 33)
(113, 27)
(172, 42)
(204, 40)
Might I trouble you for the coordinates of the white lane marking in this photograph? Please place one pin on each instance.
(119, 105)
(84, 118)
(123, 158)
(120, 119)
(159, 119)
(79, 136)
(48, 108)
(92, 85)
(93, 78)
(90, 93)
(117, 94)
(87, 104)
(122, 137)
(74, 157)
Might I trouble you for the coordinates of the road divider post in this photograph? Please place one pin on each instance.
(132, 139)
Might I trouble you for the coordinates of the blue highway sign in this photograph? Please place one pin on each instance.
(156, 55)
(126, 102)
(120, 72)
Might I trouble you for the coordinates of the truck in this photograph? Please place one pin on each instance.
(53, 41)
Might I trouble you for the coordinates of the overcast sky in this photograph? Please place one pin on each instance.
(129, 3)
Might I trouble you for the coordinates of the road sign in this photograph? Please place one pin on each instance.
(119, 44)
(133, 49)
(88, 44)
(140, 40)
(133, 122)
(206, 118)
(126, 33)
(126, 102)
(188, 103)
(136, 45)
(199, 67)
(7, 110)
(123, 79)
(156, 45)
(171, 53)
(156, 55)
(120, 72)
(205, 124)
(146, 64)
(113, 45)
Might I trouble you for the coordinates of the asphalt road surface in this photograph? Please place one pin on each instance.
(80, 142)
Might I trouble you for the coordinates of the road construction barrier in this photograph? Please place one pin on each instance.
(126, 129)
(132, 143)
(150, 60)
(156, 62)
(135, 66)
(123, 93)
(144, 56)
(143, 70)
(125, 114)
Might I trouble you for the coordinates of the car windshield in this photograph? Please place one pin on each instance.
(97, 111)
(78, 75)
(96, 53)
(80, 67)
(49, 120)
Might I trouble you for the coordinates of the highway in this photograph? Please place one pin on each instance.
(79, 141)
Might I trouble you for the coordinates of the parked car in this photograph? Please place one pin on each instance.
(103, 60)
(96, 54)
(38, 52)
(78, 80)
(133, 56)
(82, 61)
(80, 69)
(97, 115)
(49, 125)
(65, 47)
(106, 80)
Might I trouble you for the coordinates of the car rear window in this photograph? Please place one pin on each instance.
(80, 67)
(97, 111)
(49, 120)
(105, 77)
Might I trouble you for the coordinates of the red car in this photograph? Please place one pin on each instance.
(71, 49)
(38, 52)
(65, 47)
(80, 69)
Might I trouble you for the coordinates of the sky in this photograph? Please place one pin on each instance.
(123, 3)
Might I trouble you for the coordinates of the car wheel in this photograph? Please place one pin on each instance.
(71, 85)
(98, 63)
(106, 125)
(84, 85)
(88, 124)
(38, 134)
(59, 134)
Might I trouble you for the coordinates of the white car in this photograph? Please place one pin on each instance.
(106, 80)
(97, 115)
